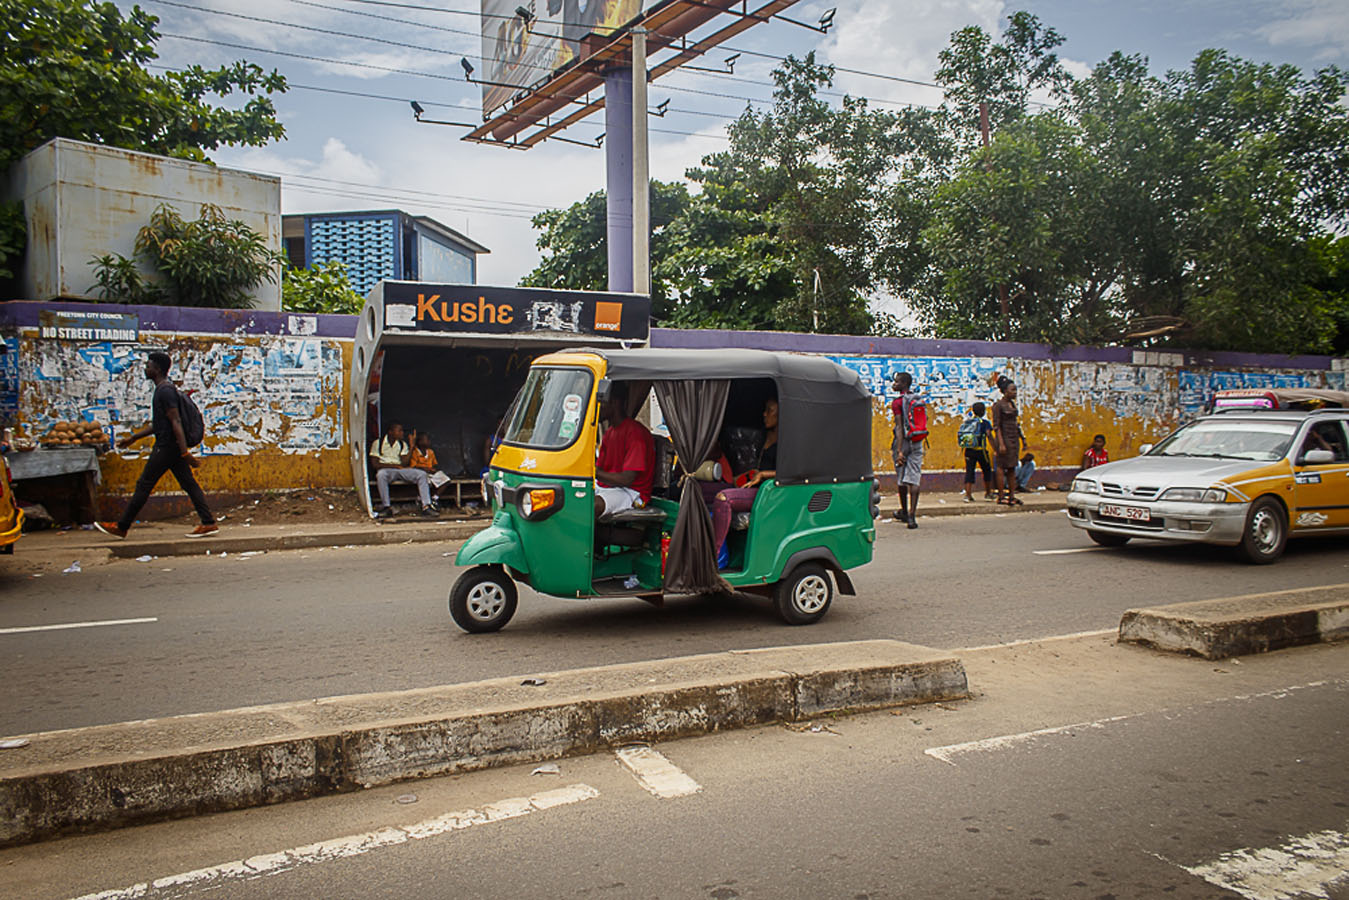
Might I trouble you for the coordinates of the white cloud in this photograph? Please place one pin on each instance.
(1322, 25)
(901, 39)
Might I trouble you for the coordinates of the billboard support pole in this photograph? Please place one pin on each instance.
(641, 169)
(618, 133)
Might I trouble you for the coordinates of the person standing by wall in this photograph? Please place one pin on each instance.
(1009, 441)
(910, 415)
(973, 437)
(170, 454)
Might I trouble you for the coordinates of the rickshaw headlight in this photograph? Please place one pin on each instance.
(536, 503)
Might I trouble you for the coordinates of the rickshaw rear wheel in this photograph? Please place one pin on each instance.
(483, 599)
(803, 597)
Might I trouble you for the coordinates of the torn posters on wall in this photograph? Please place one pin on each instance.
(253, 392)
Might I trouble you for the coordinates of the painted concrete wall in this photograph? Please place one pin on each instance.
(84, 200)
(270, 386)
(1066, 397)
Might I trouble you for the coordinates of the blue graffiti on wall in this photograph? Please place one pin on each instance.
(9, 379)
(950, 384)
(1196, 388)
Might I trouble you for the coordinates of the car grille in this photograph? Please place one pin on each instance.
(1111, 489)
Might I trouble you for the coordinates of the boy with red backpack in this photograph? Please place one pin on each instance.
(907, 448)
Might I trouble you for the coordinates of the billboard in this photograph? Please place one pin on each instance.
(517, 53)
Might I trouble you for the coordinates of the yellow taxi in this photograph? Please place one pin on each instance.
(1264, 467)
(11, 517)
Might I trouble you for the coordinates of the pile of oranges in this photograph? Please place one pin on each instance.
(75, 434)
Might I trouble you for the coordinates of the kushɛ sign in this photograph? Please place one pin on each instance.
(454, 308)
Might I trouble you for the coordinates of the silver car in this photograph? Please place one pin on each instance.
(1245, 478)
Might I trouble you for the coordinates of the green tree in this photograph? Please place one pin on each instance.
(575, 244)
(77, 69)
(322, 288)
(209, 261)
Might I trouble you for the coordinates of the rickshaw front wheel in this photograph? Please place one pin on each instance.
(483, 599)
(803, 597)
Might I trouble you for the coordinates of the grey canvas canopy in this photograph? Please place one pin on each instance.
(824, 431)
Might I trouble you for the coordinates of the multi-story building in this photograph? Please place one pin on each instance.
(379, 244)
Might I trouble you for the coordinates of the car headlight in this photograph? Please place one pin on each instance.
(1086, 486)
(1195, 495)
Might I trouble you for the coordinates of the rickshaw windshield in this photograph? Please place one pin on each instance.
(549, 411)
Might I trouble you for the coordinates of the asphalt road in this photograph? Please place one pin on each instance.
(1080, 770)
(301, 624)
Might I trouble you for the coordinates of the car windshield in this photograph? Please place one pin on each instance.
(1229, 440)
(549, 410)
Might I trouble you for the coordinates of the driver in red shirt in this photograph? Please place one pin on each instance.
(627, 464)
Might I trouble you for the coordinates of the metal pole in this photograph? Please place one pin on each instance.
(618, 175)
(641, 170)
(988, 164)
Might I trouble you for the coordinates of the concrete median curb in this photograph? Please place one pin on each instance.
(1236, 626)
(111, 776)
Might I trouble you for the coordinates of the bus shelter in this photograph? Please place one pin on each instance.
(448, 359)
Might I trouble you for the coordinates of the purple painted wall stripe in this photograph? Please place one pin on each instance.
(24, 314)
(192, 320)
(852, 345)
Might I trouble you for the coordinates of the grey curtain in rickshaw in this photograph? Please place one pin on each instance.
(693, 412)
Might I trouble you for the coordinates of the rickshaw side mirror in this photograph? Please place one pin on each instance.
(603, 389)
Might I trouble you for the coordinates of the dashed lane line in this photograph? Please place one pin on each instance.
(1300, 867)
(1066, 552)
(656, 773)
(950, 752)
(65, 625)
(220, 876)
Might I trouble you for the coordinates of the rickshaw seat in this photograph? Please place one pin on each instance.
(638, 518)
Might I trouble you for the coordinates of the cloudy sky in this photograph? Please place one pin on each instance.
(352, 142)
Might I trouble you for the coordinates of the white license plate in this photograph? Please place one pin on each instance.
(1134, 513)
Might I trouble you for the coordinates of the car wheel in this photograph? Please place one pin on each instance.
(1106, 539)
(803, 597)
(1266, 531)
(483, 599)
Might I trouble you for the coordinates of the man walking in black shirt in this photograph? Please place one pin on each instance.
(170, 454)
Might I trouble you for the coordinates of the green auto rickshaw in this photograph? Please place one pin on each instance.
(807, 526)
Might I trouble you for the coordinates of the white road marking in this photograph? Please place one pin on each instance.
(1044, 640)
(1065, 552)
(213, 877)
(1003, 741)
(66, 625)
(1300, 867)
(656, 773)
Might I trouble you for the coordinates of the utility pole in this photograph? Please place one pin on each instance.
(641, 170)
(1002, 288)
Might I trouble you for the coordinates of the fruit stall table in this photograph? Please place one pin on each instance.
(63, 480)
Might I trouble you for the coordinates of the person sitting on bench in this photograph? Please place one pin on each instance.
(626, 467)
(390, 457)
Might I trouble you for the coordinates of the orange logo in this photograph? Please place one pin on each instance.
(608, 316)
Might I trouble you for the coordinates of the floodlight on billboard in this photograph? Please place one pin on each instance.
(520, 49)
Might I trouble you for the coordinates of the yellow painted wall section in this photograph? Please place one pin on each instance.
(1063, 404)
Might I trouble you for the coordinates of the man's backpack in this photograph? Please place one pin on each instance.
(970, 435)
(915, 420)
(194, 426)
